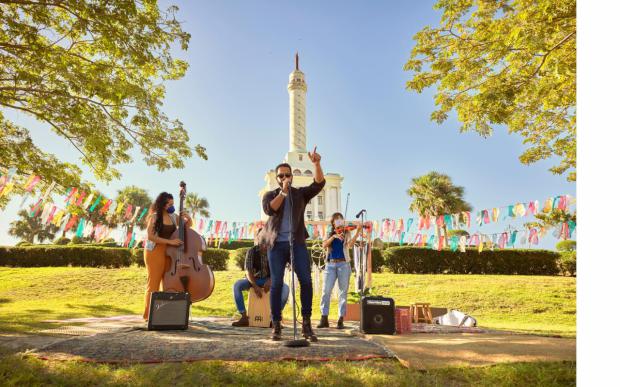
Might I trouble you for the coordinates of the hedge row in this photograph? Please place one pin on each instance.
(51, 255)
(90, 256)
(247, 243)
(408, 259)
(403, 259)
(238, 257)
(238, 244)
(568, 263)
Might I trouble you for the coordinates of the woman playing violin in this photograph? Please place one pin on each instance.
(337, 268)
(162, 223)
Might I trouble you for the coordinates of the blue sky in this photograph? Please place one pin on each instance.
(367, 127)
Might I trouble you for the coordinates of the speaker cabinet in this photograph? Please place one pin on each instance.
(169, 311)
(377, 315)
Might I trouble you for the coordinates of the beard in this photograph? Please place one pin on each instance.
(281, 183)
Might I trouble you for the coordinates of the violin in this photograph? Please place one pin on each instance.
(351, 226)
(186, 272)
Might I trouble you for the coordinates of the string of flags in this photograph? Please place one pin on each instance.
(412, 231)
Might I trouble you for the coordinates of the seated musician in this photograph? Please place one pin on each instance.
(257, 277)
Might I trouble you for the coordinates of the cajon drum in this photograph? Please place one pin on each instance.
(259, 310)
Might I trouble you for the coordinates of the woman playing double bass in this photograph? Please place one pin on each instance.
(162, 223)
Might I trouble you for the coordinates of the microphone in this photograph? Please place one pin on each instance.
(360, 213)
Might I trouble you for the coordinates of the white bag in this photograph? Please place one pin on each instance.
(455, 318)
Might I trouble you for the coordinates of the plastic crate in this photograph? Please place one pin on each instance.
(402, 317)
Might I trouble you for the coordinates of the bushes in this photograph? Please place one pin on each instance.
(567, 245)
(568, 263)
(51, 255)
(377, 260)
(76, 241)
(90, 256)
(216, 258)
(62, 241)
(408, 259)
(234, 245)
(238, 257)
(401, 259)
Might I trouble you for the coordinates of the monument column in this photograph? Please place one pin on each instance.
(297, 109)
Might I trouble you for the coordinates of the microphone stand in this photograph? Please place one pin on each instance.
(295, 343)
(363, 257)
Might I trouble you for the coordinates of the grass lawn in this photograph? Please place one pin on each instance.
(23, 370)
(526, 303)
(534, 304)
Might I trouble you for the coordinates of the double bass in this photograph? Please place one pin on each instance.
(186, 272)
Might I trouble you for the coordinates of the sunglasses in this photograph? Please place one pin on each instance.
(283, 175)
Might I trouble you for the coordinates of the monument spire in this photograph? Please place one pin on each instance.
(297, 109)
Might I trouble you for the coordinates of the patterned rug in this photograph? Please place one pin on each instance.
(126, 340)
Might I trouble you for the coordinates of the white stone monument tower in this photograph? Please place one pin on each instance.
(328, 200)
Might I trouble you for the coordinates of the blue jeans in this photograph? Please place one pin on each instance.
(340, 271)
(278, 257)
(244, 284)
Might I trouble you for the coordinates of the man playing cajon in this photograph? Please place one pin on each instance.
(257, 277)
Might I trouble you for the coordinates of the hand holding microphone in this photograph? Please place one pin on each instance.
(286, 183)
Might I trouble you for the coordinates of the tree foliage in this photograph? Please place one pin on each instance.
(93, 72)
(196, 205)
(458, 233)
(567, 245)
(434, 194)
(28, 228)
(509, 62)
(136, 196)
(553, 218)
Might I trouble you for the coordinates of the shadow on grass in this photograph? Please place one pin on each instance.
(5, 300)
(34, 320)
(100, 310)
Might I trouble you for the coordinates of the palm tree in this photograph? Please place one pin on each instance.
(27, 228)
(196, 205)
(434, 194)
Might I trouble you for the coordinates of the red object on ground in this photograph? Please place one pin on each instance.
(402, 317)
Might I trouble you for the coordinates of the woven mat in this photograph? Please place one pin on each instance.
(206, 339)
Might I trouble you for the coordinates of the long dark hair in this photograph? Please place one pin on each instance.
(331, 222)
(157, 209)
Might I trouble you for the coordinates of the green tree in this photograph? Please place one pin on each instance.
(136, 196)
(510, 62)
(27, 228)
(552, 218)
(196, 205)
(458, 233)
(434, 194)
(566, 245)
(92, 71)
(132, 194)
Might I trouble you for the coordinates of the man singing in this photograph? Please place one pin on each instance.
(285, 222)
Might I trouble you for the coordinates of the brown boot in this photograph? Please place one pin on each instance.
(276, 332)
(306, 330)
(324, 322)
(244, 321)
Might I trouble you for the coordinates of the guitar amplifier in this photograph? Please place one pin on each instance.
(377, 315)
(169, 311)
